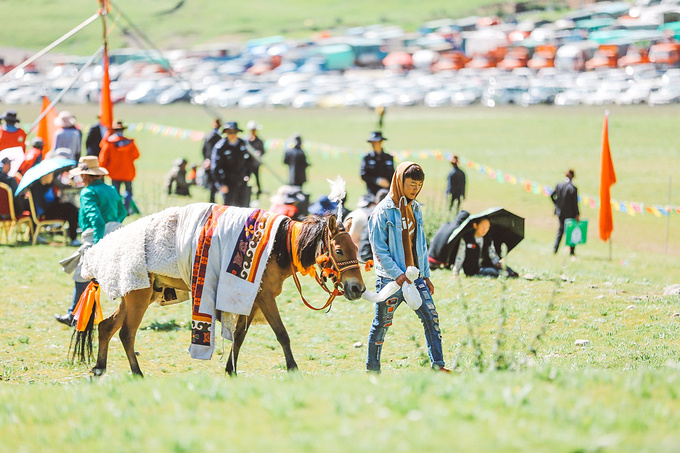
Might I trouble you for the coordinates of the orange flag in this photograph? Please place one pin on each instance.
(105, 104)
(46, 127)
(607, 179)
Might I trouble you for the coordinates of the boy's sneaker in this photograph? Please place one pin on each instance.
(75, 243)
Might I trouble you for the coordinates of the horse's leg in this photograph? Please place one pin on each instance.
(242, 325)
(107, 328)
(135, 304)
(267, 303)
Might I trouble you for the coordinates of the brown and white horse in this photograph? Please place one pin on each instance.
(318, 236)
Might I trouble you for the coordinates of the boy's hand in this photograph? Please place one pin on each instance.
(430, 286)
(401, 279)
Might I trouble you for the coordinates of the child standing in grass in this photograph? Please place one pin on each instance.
(397, 238)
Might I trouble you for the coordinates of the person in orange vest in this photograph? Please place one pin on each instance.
(33, 156)
(10, 134)
(118, 156)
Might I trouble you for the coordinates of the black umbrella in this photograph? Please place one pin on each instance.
(506, 228)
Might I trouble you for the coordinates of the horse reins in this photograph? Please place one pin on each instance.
(334, 270)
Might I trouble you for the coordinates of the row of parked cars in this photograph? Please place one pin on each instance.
(205, 83)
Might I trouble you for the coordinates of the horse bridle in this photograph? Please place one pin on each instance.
(329, 266)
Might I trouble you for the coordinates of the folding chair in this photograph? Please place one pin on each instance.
(10, 223)
(51, 226)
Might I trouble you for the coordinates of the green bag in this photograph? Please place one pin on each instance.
(575, 232)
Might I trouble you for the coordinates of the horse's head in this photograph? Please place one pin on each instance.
(343, 254)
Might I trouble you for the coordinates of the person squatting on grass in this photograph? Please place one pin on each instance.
(398, 241)
(477, 254)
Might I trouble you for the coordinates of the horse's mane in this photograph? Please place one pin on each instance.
(313, 229)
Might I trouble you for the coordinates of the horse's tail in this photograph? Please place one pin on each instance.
(87, 314)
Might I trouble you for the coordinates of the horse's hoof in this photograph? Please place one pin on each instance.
(97, 372)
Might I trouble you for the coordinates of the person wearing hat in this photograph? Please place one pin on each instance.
(455, 187)
(230, 167)
(10, 134)
(12, 183)
(101, 211)
(68, 136)
(256, 149)
(211, 139)
(296, 159)
(33, 156)
(118, 156)
(377, 167)
(178, 177)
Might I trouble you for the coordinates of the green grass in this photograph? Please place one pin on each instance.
(203, 21)
(618, 393)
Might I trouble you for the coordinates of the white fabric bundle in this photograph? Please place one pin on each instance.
(409, 290)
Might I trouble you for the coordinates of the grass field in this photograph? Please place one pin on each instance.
(618, 393)
(211, 22)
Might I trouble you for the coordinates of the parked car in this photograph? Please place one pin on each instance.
(667, 94)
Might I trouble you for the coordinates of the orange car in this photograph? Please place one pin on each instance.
(544, 57)
(633, 57)
(516, 58)
(665, 55)
(606, 56)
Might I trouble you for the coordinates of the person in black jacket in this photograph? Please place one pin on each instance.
(377, 167)
(477, 253)
(455, 187)
(296, 159)
(565, 198)
(211, 139)
(94, 138)
(230, 167)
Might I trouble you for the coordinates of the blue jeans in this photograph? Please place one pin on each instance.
(384, 312)
(128, 191)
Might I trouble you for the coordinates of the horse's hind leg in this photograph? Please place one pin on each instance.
(242, 325)
(267, 304)
(135, 304)
(107, 328)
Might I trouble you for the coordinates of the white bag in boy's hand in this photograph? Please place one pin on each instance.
(409, 290)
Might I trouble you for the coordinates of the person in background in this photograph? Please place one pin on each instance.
(230, 167)
(211, 139)
(565, 199)
(395, 248)
(12, 183)
(69, 136)
(10, 134)
(101, 211)
(256, 149)
(33, 156)
(118, 156)
(477, 254)
(377, 167)
(177, 177)
(455, 187)
(94, 138)
(296, 159)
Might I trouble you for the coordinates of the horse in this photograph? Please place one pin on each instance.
(322, 242)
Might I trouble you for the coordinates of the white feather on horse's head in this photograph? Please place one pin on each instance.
(337, 193)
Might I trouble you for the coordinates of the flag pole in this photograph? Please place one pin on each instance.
(668, 217)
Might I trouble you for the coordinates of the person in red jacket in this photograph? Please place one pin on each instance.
(33, 156)
(118, 156)
(10, 134)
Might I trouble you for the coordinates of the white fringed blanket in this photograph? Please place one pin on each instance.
(220, 252)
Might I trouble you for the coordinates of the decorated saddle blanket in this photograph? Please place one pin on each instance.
(229, 251)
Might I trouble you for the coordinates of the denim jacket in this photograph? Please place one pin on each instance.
(384, 232)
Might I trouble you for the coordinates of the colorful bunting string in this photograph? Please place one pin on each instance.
(631, 208)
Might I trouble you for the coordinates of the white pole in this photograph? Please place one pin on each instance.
(668, 217)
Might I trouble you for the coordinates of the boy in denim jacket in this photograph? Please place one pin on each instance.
(397, 238)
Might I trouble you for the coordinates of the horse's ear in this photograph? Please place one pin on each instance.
(333, 225)
(348, 224)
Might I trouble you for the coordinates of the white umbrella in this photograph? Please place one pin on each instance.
(16, 156)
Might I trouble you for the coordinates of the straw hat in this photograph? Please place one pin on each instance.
(89, 165)
(65, 119)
